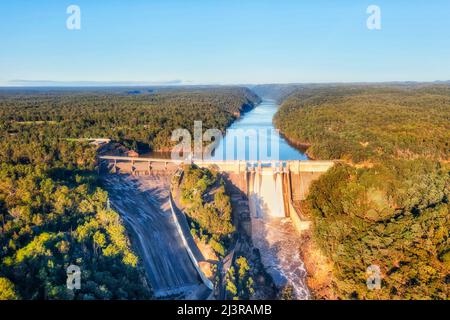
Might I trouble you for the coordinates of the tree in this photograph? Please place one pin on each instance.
(230, 282)
(243, 267)
(7, 290)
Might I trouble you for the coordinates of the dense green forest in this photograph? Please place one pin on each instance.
(144, 121)
(208, 207)
(54, 215)
(53, 212)
(394, 215)
(362, 122)
(391, 210)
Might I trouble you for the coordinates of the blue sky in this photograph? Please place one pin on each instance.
(224, 41)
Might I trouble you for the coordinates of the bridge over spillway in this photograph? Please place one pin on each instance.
(273, 184)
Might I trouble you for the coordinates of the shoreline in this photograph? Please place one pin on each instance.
(165, 152)
(303, 147)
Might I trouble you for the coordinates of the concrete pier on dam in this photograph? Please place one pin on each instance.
(272, 189)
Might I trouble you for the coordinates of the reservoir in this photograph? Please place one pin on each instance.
(251, 137)
(254, 137)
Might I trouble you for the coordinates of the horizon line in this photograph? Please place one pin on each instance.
(180, 83)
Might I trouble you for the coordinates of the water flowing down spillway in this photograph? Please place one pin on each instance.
(266, 194)
(273, 234)
(279, 246)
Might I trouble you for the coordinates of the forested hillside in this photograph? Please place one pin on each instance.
(208, 207)
(53, 212)
(143, 121)
(363, 122)
(391, 209)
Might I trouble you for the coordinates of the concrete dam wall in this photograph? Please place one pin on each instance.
(272, 189)
(275, 223)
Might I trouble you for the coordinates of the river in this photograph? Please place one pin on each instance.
(272, 233)
(251, 137)
(257, 130)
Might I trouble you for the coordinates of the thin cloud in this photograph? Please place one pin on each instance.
(21, 82)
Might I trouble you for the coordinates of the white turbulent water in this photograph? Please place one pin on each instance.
(274, 235)
(278, 245)
(266, 196)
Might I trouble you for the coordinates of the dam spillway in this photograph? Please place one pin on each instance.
(271, 187)
(265, 193)
(273, 232)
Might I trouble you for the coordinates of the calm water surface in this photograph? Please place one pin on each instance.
(260, 120)
(252, 137)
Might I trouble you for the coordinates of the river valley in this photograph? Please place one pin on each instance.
(251, 138)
